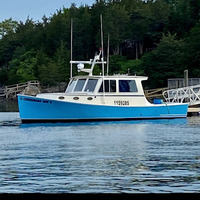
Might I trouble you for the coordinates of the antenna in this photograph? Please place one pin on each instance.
(91, 62)
(71, 47)
(108, 53)
(102, 58)
(102, 44)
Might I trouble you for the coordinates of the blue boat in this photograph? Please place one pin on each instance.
(93, 98)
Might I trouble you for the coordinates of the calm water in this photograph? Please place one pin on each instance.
(153, 156)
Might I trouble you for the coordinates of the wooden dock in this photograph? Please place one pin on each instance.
(192, 111)
(11, 91)
(155, 93)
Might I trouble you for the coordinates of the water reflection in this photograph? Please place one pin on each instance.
(126, 156)
(9, 105)
(194, 120)
(157, 121)
(13, 119)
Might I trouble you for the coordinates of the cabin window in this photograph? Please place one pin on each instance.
(91, 84)
(71, 85)
(127, 86)
(110, 86)
(79, 85)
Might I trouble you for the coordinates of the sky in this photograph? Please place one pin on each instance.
(19, 10)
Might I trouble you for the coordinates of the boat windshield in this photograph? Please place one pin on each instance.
(79, 85)
(91, 84)
(71, 85)
(82, 85)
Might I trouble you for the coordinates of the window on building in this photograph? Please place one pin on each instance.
(127, 86)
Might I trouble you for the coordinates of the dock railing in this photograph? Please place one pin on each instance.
(2, 93)
(11, 91)
(189, 95)
(155, 93)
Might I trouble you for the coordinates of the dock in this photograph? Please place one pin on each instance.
(189, 94)
(193, 111)
(155, 93)
(11, 91)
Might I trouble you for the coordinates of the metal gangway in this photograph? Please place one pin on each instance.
(190, 94)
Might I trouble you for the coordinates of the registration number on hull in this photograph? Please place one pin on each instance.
(121, 103)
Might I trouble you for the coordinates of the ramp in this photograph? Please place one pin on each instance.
(189, 95)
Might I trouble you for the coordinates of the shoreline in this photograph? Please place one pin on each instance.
(9, 105)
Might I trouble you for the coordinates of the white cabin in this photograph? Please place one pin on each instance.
(116, 90)
(119, 90)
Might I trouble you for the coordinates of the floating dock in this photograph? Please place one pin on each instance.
(193, 111)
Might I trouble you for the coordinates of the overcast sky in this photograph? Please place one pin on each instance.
(19, 10)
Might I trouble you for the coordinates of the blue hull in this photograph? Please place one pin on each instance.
(34, 109)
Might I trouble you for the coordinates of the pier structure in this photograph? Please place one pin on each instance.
(190, 94)
(155, 93)
(11, 91)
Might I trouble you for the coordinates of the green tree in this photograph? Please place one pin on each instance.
(22, 69)
(48, 74)
(41, 49)
(165, 61)
(53, 70)
(8, 26)
(62, 59)
(82, 33)
(183, 16)
(56, 30)
(133, 67)
(3, 77)
(194, 10)
(191, 59)
(116, 25)
(8, 44)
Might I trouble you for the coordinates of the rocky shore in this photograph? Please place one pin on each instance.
(61, 87)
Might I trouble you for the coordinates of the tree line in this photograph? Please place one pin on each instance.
(157, 38)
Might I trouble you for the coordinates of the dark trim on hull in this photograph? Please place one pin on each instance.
(29, 121)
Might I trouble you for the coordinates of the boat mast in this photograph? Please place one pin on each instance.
(102, 53)
(102, 58)
(108, 54)
(71, 47)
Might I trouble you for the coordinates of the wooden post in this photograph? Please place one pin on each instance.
(186, 78)
(6, 92)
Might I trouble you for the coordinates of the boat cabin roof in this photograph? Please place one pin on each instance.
(115, 84)
(93, 84)
(115, 76)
